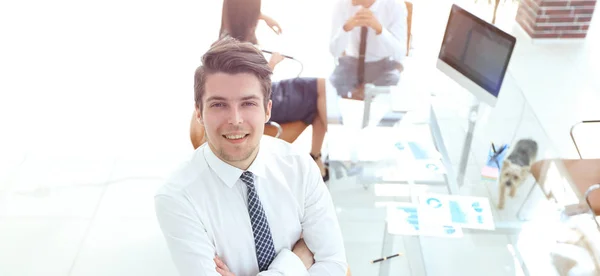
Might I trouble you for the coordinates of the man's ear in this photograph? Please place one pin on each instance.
(268, 111)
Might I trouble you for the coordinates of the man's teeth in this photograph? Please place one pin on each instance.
(235, 136)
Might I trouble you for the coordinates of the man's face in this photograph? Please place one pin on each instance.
(234, 116)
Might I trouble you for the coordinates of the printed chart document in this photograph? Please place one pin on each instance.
(467, 211)
(440, 216)
(404, 219)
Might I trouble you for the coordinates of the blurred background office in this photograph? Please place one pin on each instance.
(95, 101)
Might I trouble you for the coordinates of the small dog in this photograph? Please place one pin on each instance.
(515, 168)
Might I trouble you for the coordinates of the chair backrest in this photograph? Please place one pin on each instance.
(586, 138)
(276, 126)
(288, 132)
(558, 178)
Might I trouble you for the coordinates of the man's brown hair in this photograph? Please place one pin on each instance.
(231, 56)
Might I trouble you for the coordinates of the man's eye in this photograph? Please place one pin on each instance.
(217, 105)
(249, 104)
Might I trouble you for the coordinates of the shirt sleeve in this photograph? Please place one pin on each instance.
(339, 37)
(321, 228)
(394, 35)
(191, 250)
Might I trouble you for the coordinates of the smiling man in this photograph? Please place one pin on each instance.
(246, 204)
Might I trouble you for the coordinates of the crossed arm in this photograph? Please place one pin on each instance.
(320, 252)
(300, 249)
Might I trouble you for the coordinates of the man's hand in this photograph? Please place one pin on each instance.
(363, 18)
(302, 251)
(276, 58)
(222, 267)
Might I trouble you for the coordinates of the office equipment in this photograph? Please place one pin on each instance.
(475, 54)
(270, 52)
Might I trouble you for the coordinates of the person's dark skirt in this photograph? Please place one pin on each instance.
(294, 100)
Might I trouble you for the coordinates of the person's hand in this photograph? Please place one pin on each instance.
(302, 251)
(275, 59)
(363, 18)
(271, 23)
(222, 267)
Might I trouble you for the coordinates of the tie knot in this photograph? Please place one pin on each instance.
(248, 178)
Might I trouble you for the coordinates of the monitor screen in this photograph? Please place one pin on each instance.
(476, 49)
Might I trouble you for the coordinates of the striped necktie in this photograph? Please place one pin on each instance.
(361, 55)
(265, 250)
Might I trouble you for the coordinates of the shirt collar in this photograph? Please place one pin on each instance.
(230, 174)
(375, 5)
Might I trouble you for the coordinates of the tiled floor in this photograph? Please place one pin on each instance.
(94, 111)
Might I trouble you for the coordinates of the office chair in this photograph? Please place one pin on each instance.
(583, 174)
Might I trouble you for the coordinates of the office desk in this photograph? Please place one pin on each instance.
(374, 167)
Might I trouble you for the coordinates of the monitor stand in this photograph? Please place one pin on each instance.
(464, 159)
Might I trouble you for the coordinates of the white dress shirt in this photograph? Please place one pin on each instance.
(391, 42)
(203, 211)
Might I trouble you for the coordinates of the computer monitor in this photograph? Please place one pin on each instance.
(475, 54)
